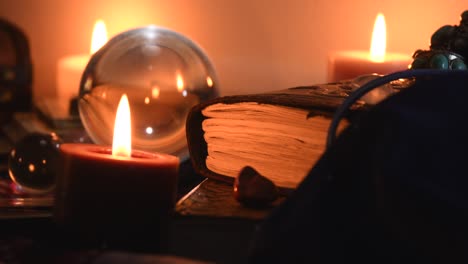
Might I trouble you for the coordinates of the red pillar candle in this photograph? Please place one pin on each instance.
(110, 197)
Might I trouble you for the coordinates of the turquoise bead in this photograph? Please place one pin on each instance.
(439, 61)
(419, 63)
(458, 64)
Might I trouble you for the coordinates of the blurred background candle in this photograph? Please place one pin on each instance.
(276, 55)
(70, 68)
(344, 65)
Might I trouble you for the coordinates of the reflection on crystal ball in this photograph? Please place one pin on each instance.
(164, 75)
(32, 163)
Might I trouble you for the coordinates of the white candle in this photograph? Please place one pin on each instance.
(344, 65)
(70, 68)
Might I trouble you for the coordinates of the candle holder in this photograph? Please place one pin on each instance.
(163, 73)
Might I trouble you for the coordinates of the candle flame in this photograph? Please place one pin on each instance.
(155, 92)
(180, 83)
(379, 39)
(122, 142)
(99, 37)
(209, 81)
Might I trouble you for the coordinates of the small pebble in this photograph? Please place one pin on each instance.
(254, 190)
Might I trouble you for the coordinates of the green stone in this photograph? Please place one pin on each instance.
(439, 61)
(458, 64)
(419, 63)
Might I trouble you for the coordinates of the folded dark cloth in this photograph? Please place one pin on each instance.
(391, 189)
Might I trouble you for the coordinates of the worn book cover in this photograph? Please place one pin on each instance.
(281, 133)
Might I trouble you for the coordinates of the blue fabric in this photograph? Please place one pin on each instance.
(392, 188)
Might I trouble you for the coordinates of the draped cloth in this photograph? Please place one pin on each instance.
(392, 188)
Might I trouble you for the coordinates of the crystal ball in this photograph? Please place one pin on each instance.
(162, 72)
(33, 162)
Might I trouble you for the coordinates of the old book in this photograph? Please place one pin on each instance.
(281, 134)
(214, 199)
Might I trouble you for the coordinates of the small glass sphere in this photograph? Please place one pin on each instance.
(32, 163)
(164, 75)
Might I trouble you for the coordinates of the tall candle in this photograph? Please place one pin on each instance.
(116, 195)
(70, 68)
(344, 65)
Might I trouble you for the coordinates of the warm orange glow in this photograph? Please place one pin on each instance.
(99, 36)
(180, 83)
(379, 40)
(209, 81)
(122, 143)
(155, 92)
(147, 100)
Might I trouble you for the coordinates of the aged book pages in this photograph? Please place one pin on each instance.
(281, 133)
(281, 143)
